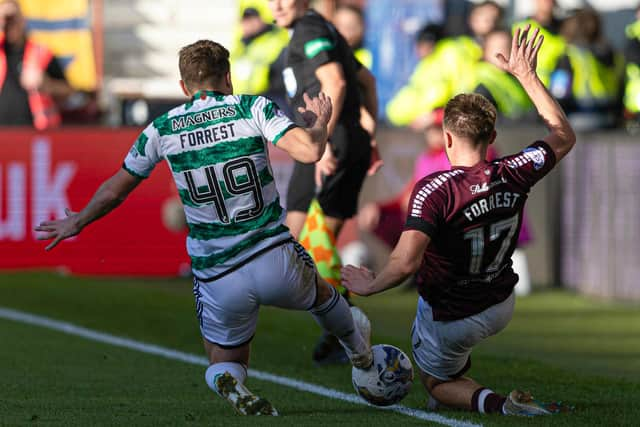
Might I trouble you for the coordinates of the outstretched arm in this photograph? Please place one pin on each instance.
(108, 196)
(404, 261)
(522, 65)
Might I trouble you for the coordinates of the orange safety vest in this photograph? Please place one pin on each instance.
(43, 107)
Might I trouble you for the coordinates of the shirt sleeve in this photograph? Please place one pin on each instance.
(425, 209)
(145, 153)
(272, 122)
(531, 164)
(319, 44)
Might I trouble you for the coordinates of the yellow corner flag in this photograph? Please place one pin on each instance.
(320, 242)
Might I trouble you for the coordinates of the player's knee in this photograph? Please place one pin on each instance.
(324, 291)
(430, 382)
(219, 354)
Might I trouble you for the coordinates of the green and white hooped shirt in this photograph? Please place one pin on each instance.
(216, 148)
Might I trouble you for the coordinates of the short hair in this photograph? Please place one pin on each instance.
(470, 115)
(583, 26)
(430, 33)
(204, 62)
(250, 12)
(490, 3)
(484, 3)
(352, 8)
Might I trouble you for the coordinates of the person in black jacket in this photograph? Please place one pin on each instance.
(318, 59)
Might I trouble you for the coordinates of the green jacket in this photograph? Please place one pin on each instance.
(632, 87)
(251, 63)
(435, 80)
(510, 98)
(633, 30)
(593, 81)
(364, 56)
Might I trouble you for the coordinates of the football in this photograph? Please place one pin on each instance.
(388, 380)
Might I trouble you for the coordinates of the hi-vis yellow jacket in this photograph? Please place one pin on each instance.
(632, 88)
(435, 80)
(250, 63)
(510, 98)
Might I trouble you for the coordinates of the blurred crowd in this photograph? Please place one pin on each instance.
(47, 67)
(598, 85)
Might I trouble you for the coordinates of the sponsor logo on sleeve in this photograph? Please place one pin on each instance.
(536, 155)
(315, 46)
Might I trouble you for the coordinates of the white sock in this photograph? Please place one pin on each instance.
(335, 317)
(237, 371)
(481, 398)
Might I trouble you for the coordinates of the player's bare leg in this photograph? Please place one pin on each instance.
(226, 375)
(465, 393)
(332, 312)
(295, 221)
(457, 393)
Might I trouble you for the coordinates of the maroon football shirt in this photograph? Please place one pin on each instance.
(473, 217)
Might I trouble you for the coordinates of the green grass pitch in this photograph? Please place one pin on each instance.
(559, 345)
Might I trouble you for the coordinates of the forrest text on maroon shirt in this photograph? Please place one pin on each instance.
(473, 217)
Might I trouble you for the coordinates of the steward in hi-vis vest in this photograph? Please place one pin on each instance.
(254, 54)
(435, 79)
(40, 109)
(632, 56)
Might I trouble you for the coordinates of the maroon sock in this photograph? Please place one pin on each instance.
(486, 401)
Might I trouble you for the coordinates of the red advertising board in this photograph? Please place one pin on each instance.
(42, 174)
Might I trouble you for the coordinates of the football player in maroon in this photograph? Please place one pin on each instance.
(461, 230)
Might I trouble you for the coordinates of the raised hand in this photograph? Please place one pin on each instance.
(59, 229)
(317, 111)
(524, 53)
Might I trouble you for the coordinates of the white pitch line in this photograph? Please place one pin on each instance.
(71, 329)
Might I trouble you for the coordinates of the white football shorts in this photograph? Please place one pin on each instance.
(442, 348)
(227, 308)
